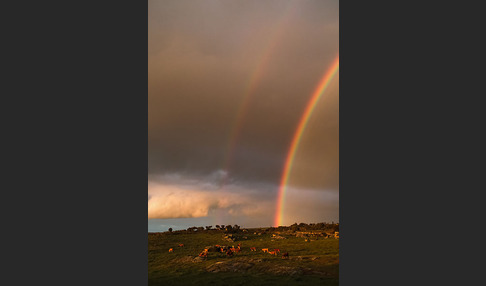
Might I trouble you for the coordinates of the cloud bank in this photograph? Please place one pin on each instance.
(185, 197)
(175, 195)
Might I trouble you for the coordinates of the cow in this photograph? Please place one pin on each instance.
(252, 248)
(285, 255)
(277, 250)
(272, 253)
(171, 250)
(203, 254)
(181, 245)
(265, 250)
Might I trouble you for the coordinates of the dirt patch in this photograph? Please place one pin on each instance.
(312, 257)
(184, 259)
(229, 266)
(289, 270)
(285, 270)
(188, 259)
(259, 265)
(198, 259)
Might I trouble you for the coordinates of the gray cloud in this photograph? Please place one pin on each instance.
(202, 58)
(176, 196)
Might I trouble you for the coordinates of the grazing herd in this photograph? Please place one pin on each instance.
(230, 251)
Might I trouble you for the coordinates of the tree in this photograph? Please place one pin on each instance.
(217, 226)
(321, 225)
(170, 229)
(209, 227)
(294, 227)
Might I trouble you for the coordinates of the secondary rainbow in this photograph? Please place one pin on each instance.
(321, 87)
(256, 76)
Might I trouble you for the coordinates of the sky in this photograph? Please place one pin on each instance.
(229, 82)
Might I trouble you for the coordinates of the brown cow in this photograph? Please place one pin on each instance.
(203, 254)
(277, 250)
(265, 250)
(170, 249)
(252, 248)
(272, 253)
(285, 255)
(181, 245)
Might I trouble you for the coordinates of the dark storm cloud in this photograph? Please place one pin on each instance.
(202, 55)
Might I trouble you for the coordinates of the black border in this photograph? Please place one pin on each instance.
(76, 106)
(408, 135)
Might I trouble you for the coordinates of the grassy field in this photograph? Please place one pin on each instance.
(309, 263)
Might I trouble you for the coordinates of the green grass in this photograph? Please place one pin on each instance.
(177, 268)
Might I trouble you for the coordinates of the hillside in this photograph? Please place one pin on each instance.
(313, 256)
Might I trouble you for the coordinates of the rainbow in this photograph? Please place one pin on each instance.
(321, 87)
(258, 73)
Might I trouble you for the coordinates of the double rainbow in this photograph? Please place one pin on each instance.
(321, 87)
